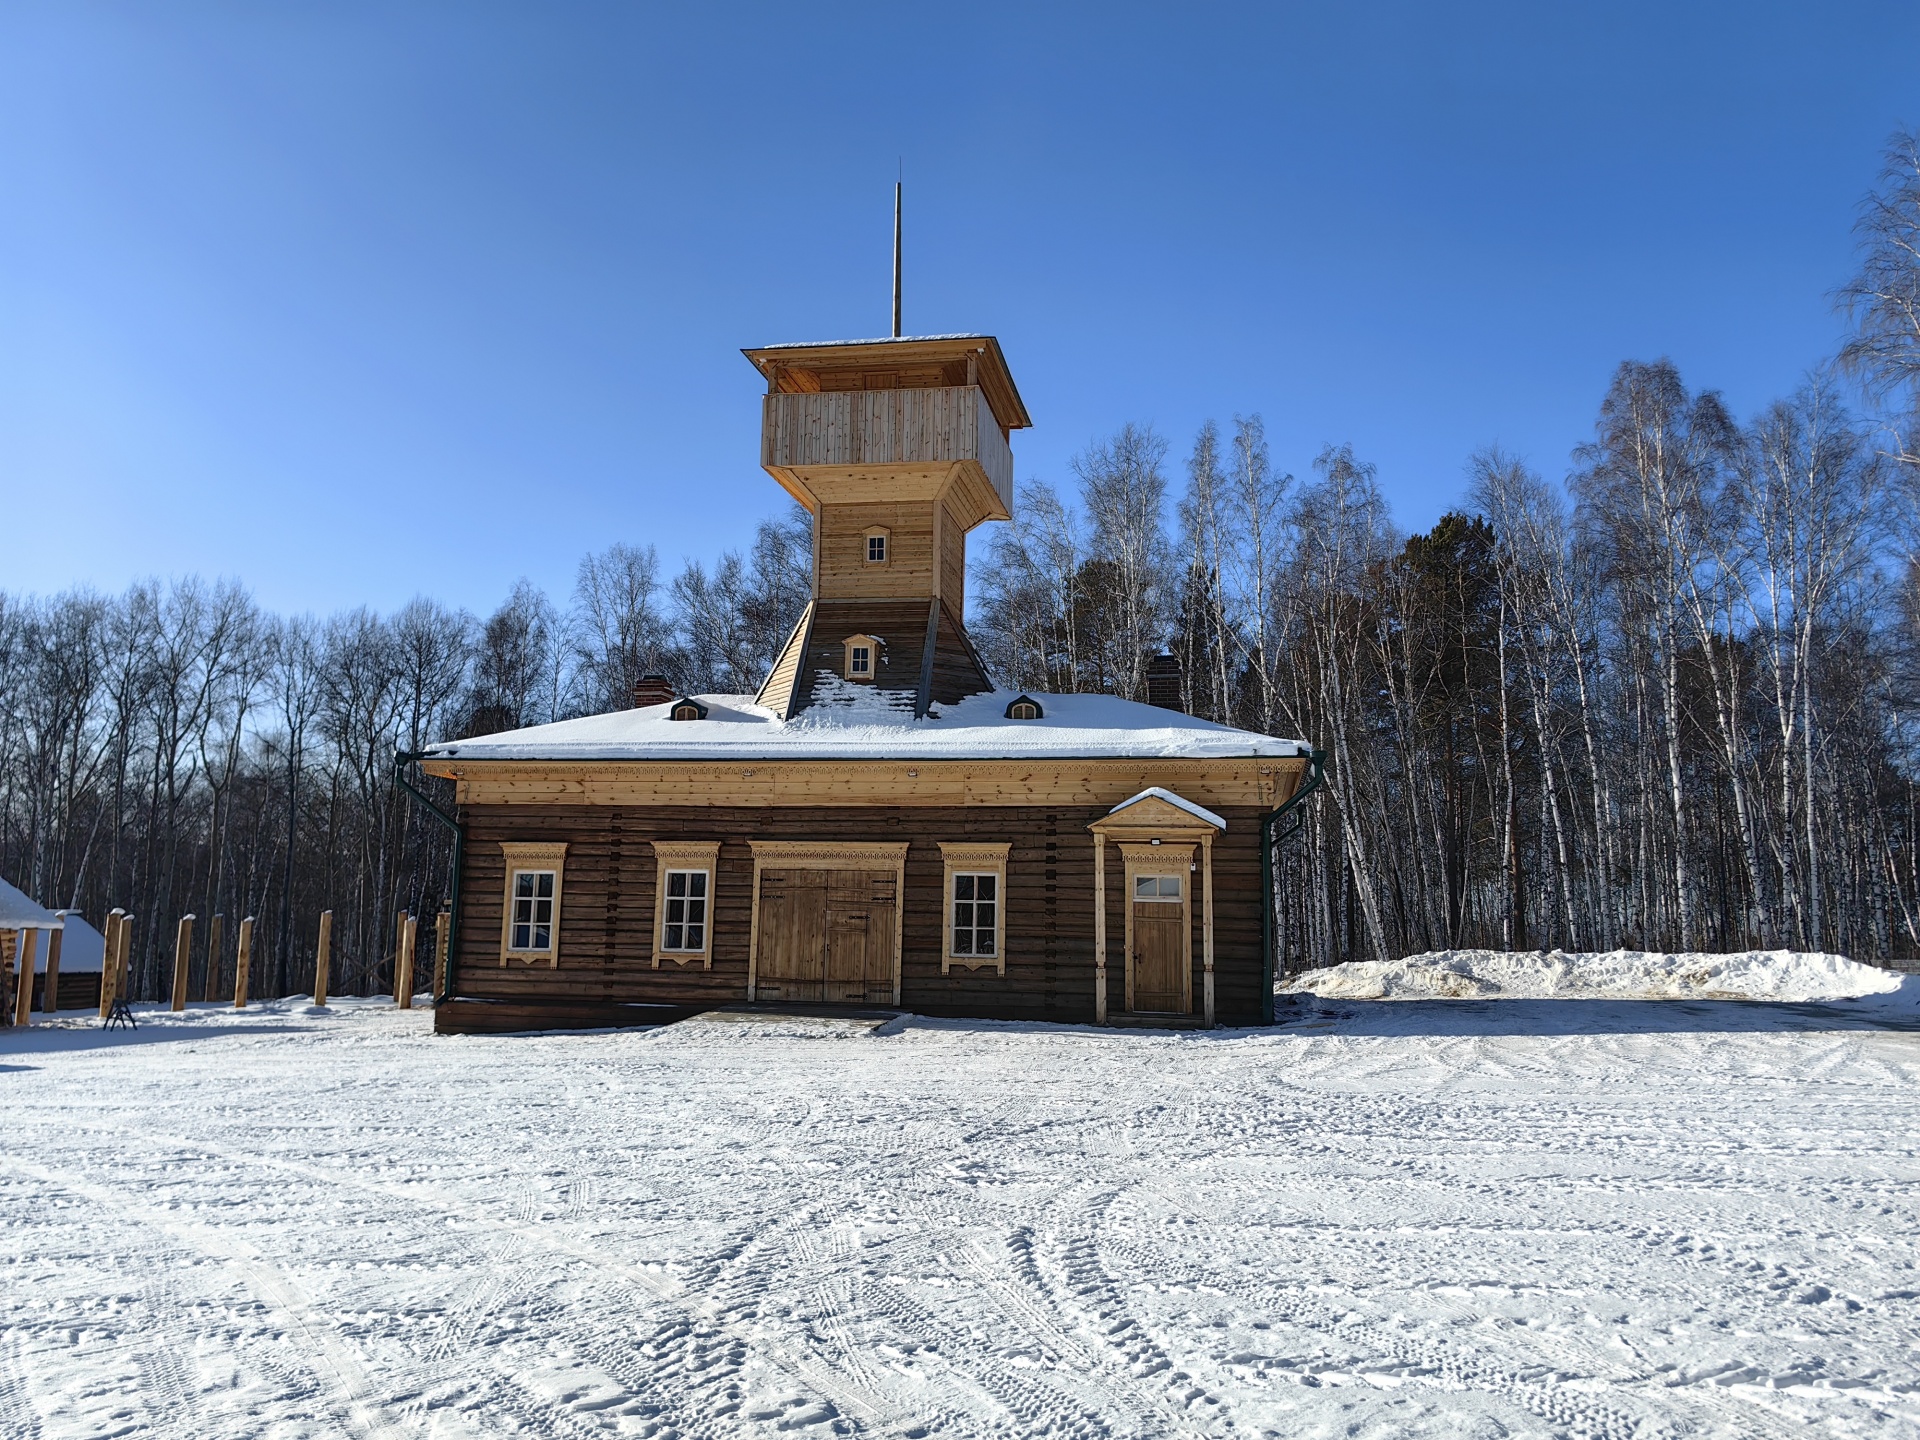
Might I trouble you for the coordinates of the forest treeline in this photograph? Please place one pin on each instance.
(1670, 702)
(177, 750)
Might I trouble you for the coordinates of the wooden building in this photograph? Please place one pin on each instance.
(30, 940)
(878, 826)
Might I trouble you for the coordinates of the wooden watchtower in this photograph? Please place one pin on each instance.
(898, 448)
(878, 825)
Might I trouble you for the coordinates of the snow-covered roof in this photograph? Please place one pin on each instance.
(17, 911)
(82, 948)
(876, 340)
(858, 722)
(1154, 792)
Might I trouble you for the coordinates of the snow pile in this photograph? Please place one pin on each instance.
(1612, 975)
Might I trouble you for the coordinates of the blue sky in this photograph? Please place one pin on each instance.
(358, 302)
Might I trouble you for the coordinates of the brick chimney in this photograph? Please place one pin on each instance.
(1164, 683)
(652, 690)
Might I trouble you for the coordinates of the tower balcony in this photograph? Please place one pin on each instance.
(888, 444)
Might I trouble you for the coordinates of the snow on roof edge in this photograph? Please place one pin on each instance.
(876, 340)
(1075, 727)
(20, 910)
(1155, 792)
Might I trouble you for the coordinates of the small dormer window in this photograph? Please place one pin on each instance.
(686, 708)
(877, 547)
(1025, 707)
(863, 657)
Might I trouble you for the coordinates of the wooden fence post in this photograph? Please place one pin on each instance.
(399, 942)
(121, 955)
(320, 958)
(108, 954)
(182, 957)
(211, 989)
(26, 944)
(241, 963)
(403, 981)
(442, 947)
(50, 997)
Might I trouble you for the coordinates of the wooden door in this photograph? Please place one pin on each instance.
(1160, 980)
(793, 935)
(861, 906)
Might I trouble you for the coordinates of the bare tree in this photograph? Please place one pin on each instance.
(1883, 299)
(620, 631)
(1125, 495)
(515, 665)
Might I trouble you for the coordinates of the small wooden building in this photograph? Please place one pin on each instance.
(30, 936)
(878, 825)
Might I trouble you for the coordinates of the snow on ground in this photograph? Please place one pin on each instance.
(1614, 974)
(1457, 1218)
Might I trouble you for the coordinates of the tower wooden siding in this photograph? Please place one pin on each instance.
(608, 900)
(911, 569)
(951, 540)
(926, 431)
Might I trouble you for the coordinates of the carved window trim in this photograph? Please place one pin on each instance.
(526, 857)
(974, 858)
(683, 855)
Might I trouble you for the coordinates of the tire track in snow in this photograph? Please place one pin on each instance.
(18, 1418)
(337, 1367)
(1421, 1357)
(846, 1393)
(1039, 1402)
(1025, 1300)
(1065, 1265)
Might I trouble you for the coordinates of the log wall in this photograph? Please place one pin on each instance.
(606, 923)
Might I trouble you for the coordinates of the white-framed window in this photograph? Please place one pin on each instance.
(975, 901)
(877, 547)
(975, 912)
(684, 925)
(1161, 888)
(683, 901)
(863, 657)
(530, 909)
(531, 926)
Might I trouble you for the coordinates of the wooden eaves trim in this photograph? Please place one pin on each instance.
(1253, 781)
(793, 367)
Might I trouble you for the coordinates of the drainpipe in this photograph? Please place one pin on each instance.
(1270, 841)
(402, 761)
